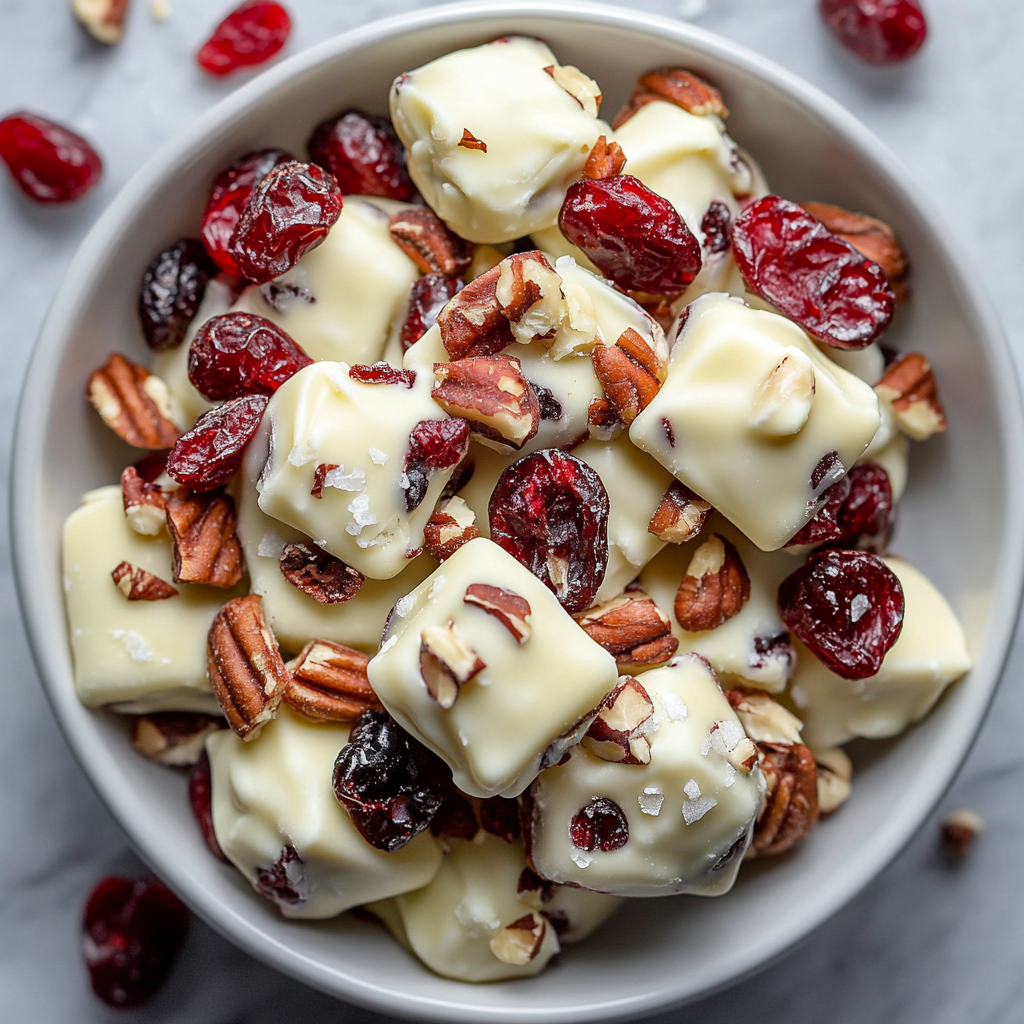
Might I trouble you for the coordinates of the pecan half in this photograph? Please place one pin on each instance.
(470, 141)
(247, 674)
(678, 86)
(605, 161)
(617, 734)
(472, 323)
(529, 293)
(452, 525)
(716, 586)
(447, 662)
(134, 403)
(680, 515)
(909, 384)
(206, 548)
(791, 798)
(764, 720)
(175, 738)
(426, 240)
(328, 682)
(319, 575)
(628, 372)
(582, 88)
(633, 629)
(519, 942)
(835, 770)
(511, 610)
(103, 19)
(139, 585)
(145, 504)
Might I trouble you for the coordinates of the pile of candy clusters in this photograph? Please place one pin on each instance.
(514, 534)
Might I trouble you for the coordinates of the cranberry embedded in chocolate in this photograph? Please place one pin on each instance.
(859, 511)
(50, 163)
(877, 31)
(600, 825)
(428, 296)
(433, 445)
(282, 882)
(456, 818)
(200, 797)
(172, 289)
(250, 34)
(716, 225)
(824, 527)
(500, 817)
(846, 607)
(132, 932)
(382, 373)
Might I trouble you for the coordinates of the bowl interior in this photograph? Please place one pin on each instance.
(657, 952)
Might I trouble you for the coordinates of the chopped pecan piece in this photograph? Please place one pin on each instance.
(206, 548)
(529, 293)
(628, 372)
(605, 161)
(519, 942)
(633, 629)
(139, 585)
(319, 575)
(678, 86)
(472, 323)
(582, 88)
(447, 662)
(764, 720)
(602, 423)
(616, 734)
(716, 586)
(470, 141)
(103, 19)
(511, 610)
(426, 240)
(145, 504)
(247, 674)
(329, 682)
(175, 738)
(791, 798)
(452, 525)
(835, 770)
(680, 516)
(909, 384)
(134, 403)
(959, 830)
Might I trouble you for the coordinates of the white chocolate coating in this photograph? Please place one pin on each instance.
(276, 791)
(521, 711)
(689, 811)
(931, 653)
(741, 446)
(538, 137)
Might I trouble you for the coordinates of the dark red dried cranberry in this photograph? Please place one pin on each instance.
(289, 212)
(428, 296)
(846, 607)
(363, 152)
(172, 289)
(228, 199)
(151, 466)
(500, 817)
(822, 282)
(132, 932)
(634, 236)
(200, 796)
(240, 354)
(455, 818)
(210, 453)
(859, 511)
(600, 825)
(773, 648)
(716, 225)
(824, 526)
(50, 163)
(283, 882)
(550, 407)
(550, 512)
(433, 445)
(382, 373)
(250, 34)
(878, 31)
(389, 783)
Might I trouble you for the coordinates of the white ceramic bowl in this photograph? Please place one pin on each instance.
(960, 520)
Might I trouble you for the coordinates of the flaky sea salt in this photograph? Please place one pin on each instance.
(387, 645)
(359, 506)
(696, 806)
(674, 706)
(725, 736)
(300, 456)
(858, 606)
(355, 480)
(436, 586)
(650, 801)
(730, 775)
(137, 648)
(377, 457)
(692, 789)
(271, 545)
(404, 605)
(581, 858)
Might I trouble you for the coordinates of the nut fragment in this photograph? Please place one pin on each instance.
(247, 674)
(959, 829)
(134, 403)
(145, 504)
(628, 372)
(580, 87)
(680, 516)
(716, 586)
(909, 384)
(103, 19)
(175, 738)
(447, 662)
(602, 423)
(605, 161)
(764, 720)
(328, 682)
(617, 734)
(470, 141)
(519, 942)
(426, 240)
(791, 798)
(139, 585)
(511, 610)
(529, 292)
(452, 525)
(782, 401)
(472, 323)
(834, 773)
(678, 86)
(579, 330)
(319, 575)
(633, 629)
(206, 548)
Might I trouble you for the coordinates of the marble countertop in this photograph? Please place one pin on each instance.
(926, 941)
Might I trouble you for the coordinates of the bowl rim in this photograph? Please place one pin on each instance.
(27, 467)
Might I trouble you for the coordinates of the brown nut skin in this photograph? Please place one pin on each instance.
(680, 516)
(328, 682)
(716, 586)
(428, 242)
(791, 799)
(473, 324)
(605, 161)
(132, 402)
(674, 85)
(632, 629)
(206, 546)
(909, 383)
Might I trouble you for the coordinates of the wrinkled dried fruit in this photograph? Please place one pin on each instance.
(634, 236)
(433, 445)
(500, 817)
(600, 825)
(428, 242)
(427, 297)
(200, 798)
(250, 34)
(456, 818)
(717, 227)
(794, 262)
(132, 932)
(382, 373)
(283, 882)
(50, 163)
(319, 575)
(172, 289)
(846, 607)
(859, 512)
(550, 512)
(389, 783)
(877, 31)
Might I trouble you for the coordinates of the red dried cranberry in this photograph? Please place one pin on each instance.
(389, 783)
(210, 453)
(172, 289)
(283, 882)
(428, 296)
(240, 354)
(859, 511)
(289, 212)
(824, 526)
(250, 34)
(773, 648)
(149, 467)
(455, 818)
(200, 796)
(634, 236)
(550, 512)
(228, 198)
(382, 373)
(822, 282)
(550, 407)
(433, 445)
(716, 225)
(363, 152)
(132, 932)
(50, 163)
(878, 31)
(500, 817)
(600, 825)
(846, 607)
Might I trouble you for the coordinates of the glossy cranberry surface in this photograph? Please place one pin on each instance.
(860, 511)
(382, 373)
(173, 286)
(200, 798)
(877, 31)
(428, 296)
(50, 163)
(500, 817)
(717, 226)
(250, 34)
(600, 825)
(433, 445)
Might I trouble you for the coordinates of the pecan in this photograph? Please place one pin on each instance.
(602, 423)
(145, 504)
(472, 323)
(791, 798)
(134, 403)
(426, 240)
(174, 738)
(529, 293)
(447, 662)
(139, 585)
(834, 773)
(909, 384)
(728, 739)
(319, 575)
(628, 372)
(103, 19)
(764, 720)
(782, 401)
(716, 586)
(470, 141)
(583, 89)
(959, 829)
(206, 548)
(605, 161)
(452, 525)
(617, 733)
(492, 394)
(678, 86)
(247, 674)
(511, 610)
(519, 942)
(680, 516)
(633, 629)
(329, 682)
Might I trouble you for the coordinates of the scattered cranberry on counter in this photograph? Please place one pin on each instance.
(877, 31)
(50, 163)
(250, 34)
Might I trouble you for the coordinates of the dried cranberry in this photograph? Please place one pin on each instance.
(550, 407)
(172, 289)
(50, 163)
(846, 607)
(824, 526)
(433, 445)
(228, 199)
(389, 783)
(209, 454)
(283, 882)
(428, 296)
(382, 373)
(716, 225)
(363, 152)
(600, 825)
(859, 510)
(634, 236)
(550, 512)
(149, 467)
(500, 817)
(289, 212)
(132, 932)
(455, 818)
(819, 280)
(878, 31)
(250, 34)
(200, 796)
(240, 354)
